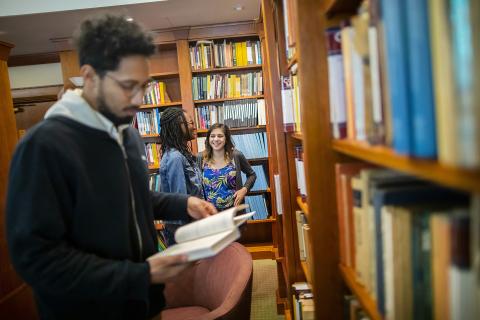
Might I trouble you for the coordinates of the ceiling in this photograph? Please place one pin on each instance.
(32, 33)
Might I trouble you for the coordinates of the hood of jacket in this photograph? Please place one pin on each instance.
(73, 106)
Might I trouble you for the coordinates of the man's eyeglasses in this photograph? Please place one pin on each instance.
(131, 89)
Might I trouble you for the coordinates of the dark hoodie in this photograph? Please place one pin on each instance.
(80, 216)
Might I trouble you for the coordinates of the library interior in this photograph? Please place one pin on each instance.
(132, 131)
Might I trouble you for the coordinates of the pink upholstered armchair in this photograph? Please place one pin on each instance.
(215, 288)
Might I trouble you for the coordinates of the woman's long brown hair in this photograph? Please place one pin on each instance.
(228, 148)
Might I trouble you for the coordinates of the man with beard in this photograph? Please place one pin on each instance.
(79, 213)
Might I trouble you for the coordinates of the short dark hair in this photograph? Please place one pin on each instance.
(229, 146)
(103, 40)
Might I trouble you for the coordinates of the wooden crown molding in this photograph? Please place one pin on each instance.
(5, 48)
(30, 59)
(35, 94)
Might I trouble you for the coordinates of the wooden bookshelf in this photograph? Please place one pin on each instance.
(297, 135)
(303, 205)
(468, 180)
(306, 272)
(167, 74)
(364, 298)
(260, 250)
(162, 105)
(228, 69)
(257, 192)
(292, 61)
(153, 135)
(227, 99)
(270, 220)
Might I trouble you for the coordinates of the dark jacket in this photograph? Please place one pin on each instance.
(73, 232)
(241, 165)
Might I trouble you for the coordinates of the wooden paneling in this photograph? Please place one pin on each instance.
(30, 59)
(164, 61)
(15, 300)
(70, 67)
(319, 160)
(31, 115)
(36, 94)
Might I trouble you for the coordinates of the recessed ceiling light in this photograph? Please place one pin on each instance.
(129, 19)
(238, 7)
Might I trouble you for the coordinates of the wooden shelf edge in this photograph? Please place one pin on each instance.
(163, 105)
(150, 135)
(261, 96)
(261, 221)
(362, 295)
(226, 69)
(464, 179)
(171, 74)
(297, 135)
(306, 271)
(260, 250)
(303, 206)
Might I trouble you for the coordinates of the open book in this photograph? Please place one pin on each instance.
(207, 237)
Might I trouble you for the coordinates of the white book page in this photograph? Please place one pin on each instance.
(238, 220)
(219, 222)
(214, 224)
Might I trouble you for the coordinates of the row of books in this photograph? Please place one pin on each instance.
(252, 145)
(154, 182)
(209, 54)
(261, 183)
(303, 303)
(291, 103)
(415, 246)
(218, 86)
(404, 73)
(258, 204)
(153, 152)
(235, 114)
(147, 122)
(156, 94)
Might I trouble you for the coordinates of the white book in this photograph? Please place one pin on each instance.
(207, 237)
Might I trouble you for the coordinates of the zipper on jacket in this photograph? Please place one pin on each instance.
(134, 210)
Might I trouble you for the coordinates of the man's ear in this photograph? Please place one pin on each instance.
(89, 75)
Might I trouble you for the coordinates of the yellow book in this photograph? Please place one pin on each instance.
(161, 87)
(208, 87)
(244, 53)
(238, 55)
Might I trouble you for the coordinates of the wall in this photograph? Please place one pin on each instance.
(35, 75)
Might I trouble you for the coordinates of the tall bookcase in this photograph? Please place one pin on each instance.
(259, 234)
(308, 20)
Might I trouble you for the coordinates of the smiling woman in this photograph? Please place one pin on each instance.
(221, 166)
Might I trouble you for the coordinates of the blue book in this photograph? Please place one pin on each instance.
(404, 196)
(421, 83)
(395, 26)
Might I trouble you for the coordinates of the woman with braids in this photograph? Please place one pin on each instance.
(178, 170)
(221, 165)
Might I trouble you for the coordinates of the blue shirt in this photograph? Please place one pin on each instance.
(178, 175)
